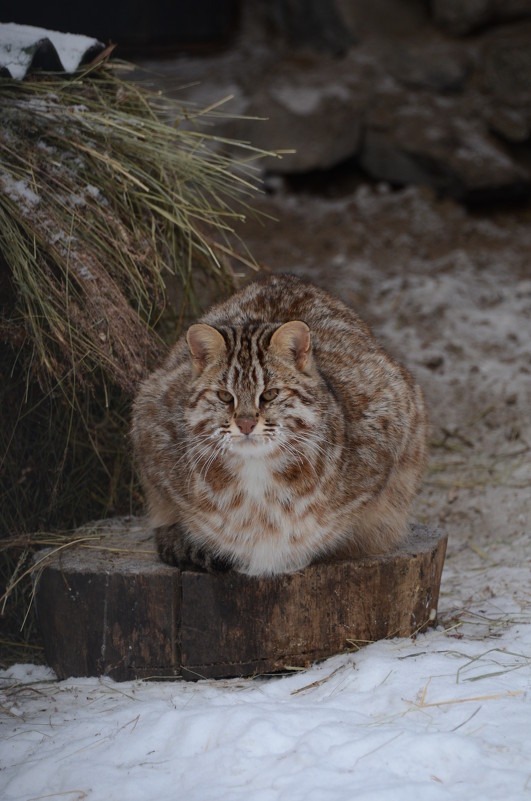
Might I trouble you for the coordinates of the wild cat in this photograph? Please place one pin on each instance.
(278, 432)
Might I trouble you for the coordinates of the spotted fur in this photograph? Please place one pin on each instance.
(318, 452)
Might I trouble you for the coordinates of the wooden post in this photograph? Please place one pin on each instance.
(108, 606)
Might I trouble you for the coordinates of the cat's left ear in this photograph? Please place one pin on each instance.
(293, 340)
(206, 344)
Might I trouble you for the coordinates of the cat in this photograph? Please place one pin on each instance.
(278, 432)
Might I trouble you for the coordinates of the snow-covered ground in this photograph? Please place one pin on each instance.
(444, 716)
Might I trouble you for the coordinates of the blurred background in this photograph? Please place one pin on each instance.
(433, 92)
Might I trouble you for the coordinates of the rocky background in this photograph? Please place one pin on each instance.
(407, 91)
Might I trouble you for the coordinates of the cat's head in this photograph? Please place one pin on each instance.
(254, 388)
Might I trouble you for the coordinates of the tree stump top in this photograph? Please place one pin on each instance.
(109, 606)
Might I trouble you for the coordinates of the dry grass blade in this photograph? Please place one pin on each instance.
(452, 701)
(317, 683)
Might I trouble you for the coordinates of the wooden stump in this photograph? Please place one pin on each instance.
(108, 606)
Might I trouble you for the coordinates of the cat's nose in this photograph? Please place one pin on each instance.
(245, 424)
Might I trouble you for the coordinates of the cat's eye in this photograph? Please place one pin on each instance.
(269, 395)
(225, 396)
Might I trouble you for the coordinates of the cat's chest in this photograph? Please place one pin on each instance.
(261, 496)
(254, 479)
(262, 520)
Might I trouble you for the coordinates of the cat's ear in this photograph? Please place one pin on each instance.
(205, 343)
(293, 340)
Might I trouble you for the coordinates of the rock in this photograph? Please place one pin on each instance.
(512, 125)
(504, 74)
(434, 65)
(505, 66)
(436, 141)
(463, 16)
(406, 103)
(384, 19)
(316, 110)
(309, 24)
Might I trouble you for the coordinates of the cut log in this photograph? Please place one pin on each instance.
(109, 606)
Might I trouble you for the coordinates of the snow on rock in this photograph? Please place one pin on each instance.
(25, 46)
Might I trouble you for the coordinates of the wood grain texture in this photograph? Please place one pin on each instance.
(109, 607)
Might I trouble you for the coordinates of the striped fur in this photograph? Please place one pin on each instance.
(326, 463)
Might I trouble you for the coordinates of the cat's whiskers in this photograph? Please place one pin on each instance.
(298, 445)
(285, 447)
(212, 448)
(291, 451)
(203, 443)
(185, 455)
(218, 451)
(253, 444)
(310, 441)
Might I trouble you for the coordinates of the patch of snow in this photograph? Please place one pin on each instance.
(306, 99)
(83, 272)
(18, 44)
(93, 191)
(19, 191)
(46, 147)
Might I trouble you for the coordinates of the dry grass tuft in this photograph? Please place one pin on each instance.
(116, 218)
(107, 190)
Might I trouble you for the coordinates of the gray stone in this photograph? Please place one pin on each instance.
(384, 19)
(434, 65)
(315, 111)
(506, 64)
(463, 16)
(409, 104)
(313, 24)
(512, 125)
(435, 141)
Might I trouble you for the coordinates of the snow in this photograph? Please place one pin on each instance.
(444, 715)
(18, 44)
(19, 191)
(306, 99)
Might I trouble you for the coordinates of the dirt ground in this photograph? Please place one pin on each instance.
(448, 292)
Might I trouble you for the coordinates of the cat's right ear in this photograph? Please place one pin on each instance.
(205, 343)
(293, 341)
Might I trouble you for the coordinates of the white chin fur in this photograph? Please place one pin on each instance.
(251, 446)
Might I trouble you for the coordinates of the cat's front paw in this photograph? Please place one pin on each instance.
(175, 549)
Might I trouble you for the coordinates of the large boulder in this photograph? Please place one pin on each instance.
(505, 65)
(309, 24)
(407, 103)
(463, 16)
(315, 109)
(421, 139)
(505, 78)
